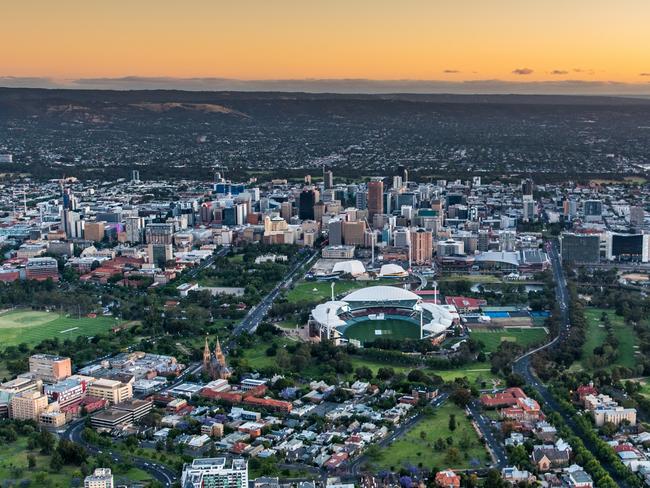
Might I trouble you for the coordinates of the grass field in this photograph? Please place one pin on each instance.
(256, 356)
(319, 291)
(523, 336)
(416, 447)
(596, 335)
(474, 372)
(369, 330)
(32, 327)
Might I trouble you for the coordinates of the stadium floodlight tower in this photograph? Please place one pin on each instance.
(329, 325)
(372, 243)
(418, 308)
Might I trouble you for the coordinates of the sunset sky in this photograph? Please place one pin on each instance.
(449, 41)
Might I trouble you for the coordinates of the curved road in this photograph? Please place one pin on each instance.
(160, 472)
(523, 367)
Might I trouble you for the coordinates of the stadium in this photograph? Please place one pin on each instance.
(379, 311)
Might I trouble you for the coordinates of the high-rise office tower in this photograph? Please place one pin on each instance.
(375, 198)
(421, 246)
(328, 179)
(403, 173)
(135, 176)
(69, 203)
(133, 227)
(319, 211)
(361, 200)
(354, 233)
(483, 243)
(286, 211)
(159, 233)
(306, 204)
(527, 186)
(335, 232)
(530, 209)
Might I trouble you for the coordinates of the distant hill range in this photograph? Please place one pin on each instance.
(183, 133)
(59, 102)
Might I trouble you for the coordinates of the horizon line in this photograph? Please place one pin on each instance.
(358, 86)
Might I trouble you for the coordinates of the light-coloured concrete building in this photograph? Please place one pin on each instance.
(101, 478)
(28, 405)
(112, 390)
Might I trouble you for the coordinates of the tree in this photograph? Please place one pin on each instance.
(71, 453)
(440, 444)
(56, 463)
(452, 457)
(608, 429)
(385, 374)
(31, 461)
(452, 422)
(46, 441)
(363, 373)
(518, 456)
(461, 396)
(494, 480)
(418, 376)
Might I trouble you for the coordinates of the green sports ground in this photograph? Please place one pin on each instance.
(32, 327)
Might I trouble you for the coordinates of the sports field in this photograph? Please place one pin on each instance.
(523, 336)
(319, 291)
(32, 327)
(418, 446)
(369, 330)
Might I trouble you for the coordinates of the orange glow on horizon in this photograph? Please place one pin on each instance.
(451, 40)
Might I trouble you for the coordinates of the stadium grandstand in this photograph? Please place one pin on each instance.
(379, 311)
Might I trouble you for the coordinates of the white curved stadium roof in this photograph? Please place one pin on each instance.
(381, 294)
(328, 313)
(392, 269)
(353, 267)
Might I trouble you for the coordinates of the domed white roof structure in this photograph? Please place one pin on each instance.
(353, 267)
(394, 270)
(381, 294)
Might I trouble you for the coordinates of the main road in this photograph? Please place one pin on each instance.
(160, 472)
(522, 365)
(259, 311)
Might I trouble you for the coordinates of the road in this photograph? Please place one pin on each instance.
(354, 467)
(423, 280)
(252, 320)
(484, 425)
(258, 312)
(160, 472)
(523, 367)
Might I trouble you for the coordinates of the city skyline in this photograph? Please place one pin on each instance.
(418, 46)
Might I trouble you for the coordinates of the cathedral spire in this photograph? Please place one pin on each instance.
(206, 353)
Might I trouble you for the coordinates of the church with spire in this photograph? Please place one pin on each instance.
(215, 363)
